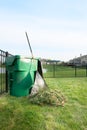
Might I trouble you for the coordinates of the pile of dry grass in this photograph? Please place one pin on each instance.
(48, 97)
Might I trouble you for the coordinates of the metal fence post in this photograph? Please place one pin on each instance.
(86, 70)
(6, 76)
(75, 71)
(53, 70)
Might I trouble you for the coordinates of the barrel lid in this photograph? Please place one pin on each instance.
(10, 60)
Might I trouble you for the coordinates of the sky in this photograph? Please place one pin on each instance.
(57, 29)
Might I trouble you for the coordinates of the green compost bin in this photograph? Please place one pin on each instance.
(21, 74)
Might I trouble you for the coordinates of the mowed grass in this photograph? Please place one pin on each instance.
(20, 114)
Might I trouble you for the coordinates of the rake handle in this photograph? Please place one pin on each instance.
(29, 44)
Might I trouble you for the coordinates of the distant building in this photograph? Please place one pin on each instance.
(82, 60)
(47, 61)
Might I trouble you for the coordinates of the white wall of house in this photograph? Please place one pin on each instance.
(82, 60)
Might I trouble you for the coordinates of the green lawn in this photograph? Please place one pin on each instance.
(20, 114)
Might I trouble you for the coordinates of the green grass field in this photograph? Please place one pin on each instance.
(20, 114)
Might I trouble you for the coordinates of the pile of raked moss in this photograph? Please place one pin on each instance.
(48, 97)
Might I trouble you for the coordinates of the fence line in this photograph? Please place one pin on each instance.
(55, 71)
(3, 72)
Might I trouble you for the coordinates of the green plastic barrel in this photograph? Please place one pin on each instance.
(21, 74)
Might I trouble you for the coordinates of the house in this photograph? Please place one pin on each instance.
(48, 61)
(82, 60)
